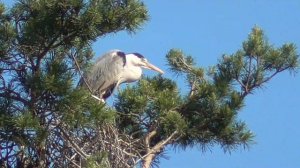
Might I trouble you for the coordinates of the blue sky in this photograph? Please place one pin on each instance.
(206, 30)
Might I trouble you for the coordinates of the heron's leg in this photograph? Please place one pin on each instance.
(100, 98)
(118, 86)
(102, 101)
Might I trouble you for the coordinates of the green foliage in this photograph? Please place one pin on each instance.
(212, 107)
(26, 121)
(78, 108)
(7, 34)
(155, 112)
(98, 160)
(46, 121)
(255, 64)
(179, 63)
(148, 103)
(41, 109)
(52, 22)
(173, 121)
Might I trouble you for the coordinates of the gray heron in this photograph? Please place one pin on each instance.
(112, 69)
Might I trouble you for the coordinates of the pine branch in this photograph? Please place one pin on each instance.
(9, 94)
(148, 138)
(154, 150)
(73, 162)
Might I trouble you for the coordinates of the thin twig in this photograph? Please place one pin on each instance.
(71, 160)
(80, 72)
(77, 148)
(84, 80)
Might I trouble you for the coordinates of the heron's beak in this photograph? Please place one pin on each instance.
(152, 67)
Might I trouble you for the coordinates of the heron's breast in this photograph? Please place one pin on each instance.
(131, 74)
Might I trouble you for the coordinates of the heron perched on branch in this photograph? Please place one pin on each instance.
(113, 69)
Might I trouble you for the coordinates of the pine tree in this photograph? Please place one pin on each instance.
(46, 121)
(155, 114)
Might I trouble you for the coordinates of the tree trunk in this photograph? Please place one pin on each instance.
(148, 160)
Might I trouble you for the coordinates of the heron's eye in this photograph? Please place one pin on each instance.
(144, 59)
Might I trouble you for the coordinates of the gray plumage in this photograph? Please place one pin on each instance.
(112, 69)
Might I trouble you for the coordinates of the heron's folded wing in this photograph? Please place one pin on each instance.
(106, 70)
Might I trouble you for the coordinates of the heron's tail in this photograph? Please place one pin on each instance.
(109, 91)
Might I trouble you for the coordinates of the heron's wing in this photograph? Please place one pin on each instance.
(105, 73)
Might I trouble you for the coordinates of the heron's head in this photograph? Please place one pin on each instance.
(139, 60)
